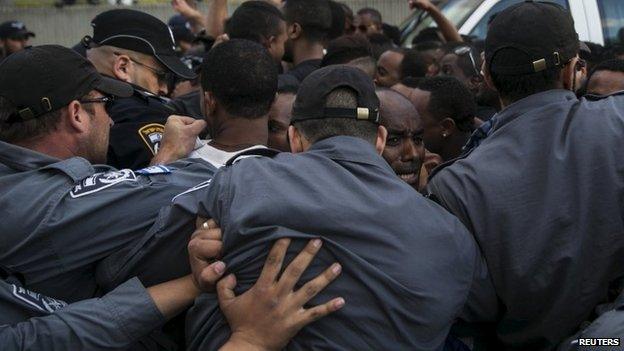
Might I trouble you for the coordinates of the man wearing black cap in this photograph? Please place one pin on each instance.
(139, 49)
(53, 126)
(408, 264)
(14, 37)
(541, 184)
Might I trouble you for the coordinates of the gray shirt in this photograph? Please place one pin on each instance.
(61, 218)
(30, 321)
(407, 264)
(543, 195)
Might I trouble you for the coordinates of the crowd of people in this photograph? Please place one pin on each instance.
(289, 177)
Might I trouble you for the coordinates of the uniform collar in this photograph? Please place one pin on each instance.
(533, 102)
(351, 149)
(23, 160)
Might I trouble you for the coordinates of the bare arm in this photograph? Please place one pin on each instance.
(217, 13)
(195, 18)
(447, 28)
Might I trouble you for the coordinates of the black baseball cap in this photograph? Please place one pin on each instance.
(313, 91)
(42, 79)
(140, 32)
(14, 29)
(530, 37)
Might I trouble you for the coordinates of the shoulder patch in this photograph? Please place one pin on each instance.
(38, 301)
(199, 186)
(158, 169)
(152, 134)
(101, 181)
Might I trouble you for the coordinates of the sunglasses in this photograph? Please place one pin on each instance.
(463, 50)
(106, 100)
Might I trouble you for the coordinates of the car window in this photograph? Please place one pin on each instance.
(480, 30)
(612, 15)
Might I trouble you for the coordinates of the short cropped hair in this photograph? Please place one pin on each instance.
(318, 129)
(255, 21)
(414, 64)
(314, 17)
(450, 98)
(375, 15)
(242, 76)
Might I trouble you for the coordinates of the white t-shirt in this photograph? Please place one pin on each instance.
(216, 157)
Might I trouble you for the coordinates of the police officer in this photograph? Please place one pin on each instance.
(14, 37)
(542, 190)
(137, 48)
(130, 311)
(61, 213)
(408, 263)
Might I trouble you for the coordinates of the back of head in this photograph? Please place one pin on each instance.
(345, 49)
(255, 21)
(337, 101)
(450, 99)
(242, 77)
(613, 65)
(380, 43)
(338, 20)
(314, 17)
(414, 64)
(366, 64)
(526, 47)
(373, 13)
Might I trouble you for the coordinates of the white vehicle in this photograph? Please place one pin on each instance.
(597, 21)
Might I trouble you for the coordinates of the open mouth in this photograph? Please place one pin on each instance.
(410, 178)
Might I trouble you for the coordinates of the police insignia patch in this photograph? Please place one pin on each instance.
(158, 169)
(100, 181)
(151, 135)
(38, 301)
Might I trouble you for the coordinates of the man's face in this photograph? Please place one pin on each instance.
(388, 69)
(365, 25)
(278, 46)
(405, 150)
(15, 44)
(279, 120)
(433, 58)
(96, 143)
(150, 75)
(449, 67)
(605, 82)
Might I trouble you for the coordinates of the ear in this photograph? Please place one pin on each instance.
(210, 104)
(122, 68)
(294, 31)
(567, 74)
(296, 140)
(448, 127)
(77, 119)
(380, 143)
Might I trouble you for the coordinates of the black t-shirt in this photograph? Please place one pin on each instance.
(139, 125)
(303, 69)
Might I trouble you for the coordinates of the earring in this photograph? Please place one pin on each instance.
(444, 135)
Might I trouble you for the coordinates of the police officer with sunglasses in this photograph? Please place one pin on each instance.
(139, 49)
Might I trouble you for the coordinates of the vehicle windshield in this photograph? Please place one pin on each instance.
(457, 11)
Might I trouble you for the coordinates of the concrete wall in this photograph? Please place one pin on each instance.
(68, 25)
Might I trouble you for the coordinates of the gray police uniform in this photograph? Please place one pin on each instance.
(31, 321)
(407, 264)
(60, 218)
(543, 195)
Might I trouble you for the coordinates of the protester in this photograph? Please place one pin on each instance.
(606, 78)
(308, 26)
(405, 149)
(14, 36)
(551, 252)
(136, 48)
(345, 49)
(368, 21)
(182, 33)
(447, 109)
(414, 65)
(261, 22)
(389, 68)
(335, 183)
(279, 118)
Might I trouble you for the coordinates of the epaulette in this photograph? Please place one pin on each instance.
(263, 152)
(592, 97)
